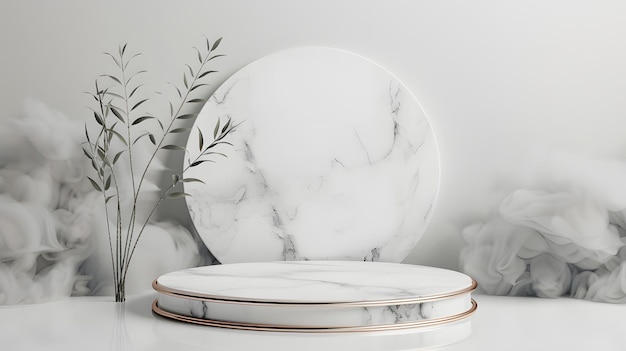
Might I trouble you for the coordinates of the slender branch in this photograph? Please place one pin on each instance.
(119, 233)
(94, 153)
(180, 178)
(105, 167)
(169, 127)
(158, 147)
(133, 213)
(132, 251)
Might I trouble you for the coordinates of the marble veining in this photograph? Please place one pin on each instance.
(316, 281)
(315, 316)
(333, 158)
(316, 293)
(397, 313)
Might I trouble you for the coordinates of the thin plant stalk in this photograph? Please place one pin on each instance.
(100, 152)
(179, 179)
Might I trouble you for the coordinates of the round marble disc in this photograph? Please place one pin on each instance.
(322, 282)
(332, 158)
(316, 294)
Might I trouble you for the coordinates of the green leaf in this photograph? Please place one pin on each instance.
(177, 195)
(117, 155)
(87, 154)
(141, 119)
(196, 100)
(208, 46)
(87, 134)
(187, 116)
(107, 184)
(138, 104)
(92, 95)
(152, 140)
(200, 139)
(98, 118)
(216, 130)
(235, 126)
(226, 126)
(179, 130)
(114, 94)
(106, 161)
(114, 78)
(216, 44)
(139, 137)
(214, 57)
(199, 55)
(114, 59)
(94, 184)
(130, 59)
(191, 180)
(117, 113)
(185, 81)
(135, 75)
(119, 136)
(213, 153)
(205, 73)
(190, 70)
(134, 90)
(196, 87)
(214, 144)
(160, 124)
(101, 153)
(173, 147)
(200, 162)
(123, 50)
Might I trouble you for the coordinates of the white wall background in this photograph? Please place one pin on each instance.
(505, 83)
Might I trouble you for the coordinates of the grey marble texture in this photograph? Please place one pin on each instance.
(315, 293)
(333, 159)
(315, 316)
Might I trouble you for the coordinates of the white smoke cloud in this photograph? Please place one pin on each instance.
(53, 239)
(566, 239)
(576, 229)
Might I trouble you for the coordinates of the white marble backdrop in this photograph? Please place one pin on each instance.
(333, 158)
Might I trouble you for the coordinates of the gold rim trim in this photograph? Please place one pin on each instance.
(242, 301)
(305, 329)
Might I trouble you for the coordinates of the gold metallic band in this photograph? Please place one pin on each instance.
(286, 328)
(231, 300)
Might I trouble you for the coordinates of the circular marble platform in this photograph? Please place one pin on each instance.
(333, 158)
(316, 296)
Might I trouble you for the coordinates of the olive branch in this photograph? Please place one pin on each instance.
(117, 112)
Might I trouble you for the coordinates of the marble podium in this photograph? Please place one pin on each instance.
(316, 296)
(329, 178)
